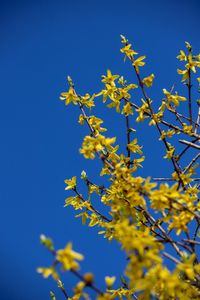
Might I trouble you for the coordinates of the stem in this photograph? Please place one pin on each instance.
(171, 179)
(64, 292)
(163, 232)
(174, 162)
(184, 150)
(197, 136)
(190, 144)
(191, 242)
(91, 285)
(197, 121)
(94, 209)
(191, 163)
(128, 134)
(189, 96)
(172, 258)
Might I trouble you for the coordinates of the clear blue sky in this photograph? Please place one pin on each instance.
(41, 43)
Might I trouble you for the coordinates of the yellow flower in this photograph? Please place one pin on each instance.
(182, 55)
(69, 96)
(169, 153)
(169, 133)
(134, 147)
(148, 81)
(81, 119)
(96, 124)
(127, 109)
(192, 64)
(173, 98)
(185, 74)
(187, 128)
(187, 266)
(67, 257)
(139, 62)
(46, 272)
(92, 145)
(109, 78)
(110, 92)
(87, 100)
(79, 287)
(71, 183)
(128, 51)
(110, 281)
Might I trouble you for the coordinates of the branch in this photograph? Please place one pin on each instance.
(172, 258)
(189, 94)
(128, 133)
(171, 179)
(191, 163)
(197, 121)
(91, 285)
(190, 144)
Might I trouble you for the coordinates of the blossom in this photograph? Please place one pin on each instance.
(139, 62)
(148, 81)
(69, 96)
(110, 280)
(68, 258)
(175, 99)
(182, 55)
(127, 109)
(128, 51)
(110, 78)
(71, 183)
(46, 272)
(134, 147)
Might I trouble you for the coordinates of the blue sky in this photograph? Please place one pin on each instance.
(41, 43)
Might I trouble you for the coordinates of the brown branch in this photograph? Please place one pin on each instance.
(172, 258)
(190, 144)
(163, 232)
(178, 115)
(184, 150)
(128, 134)
(189, 95)
(92, 207)
(197, 121)
(91, 285)
(191, 242)
(173, 160)
(191, 163)
(170, 179)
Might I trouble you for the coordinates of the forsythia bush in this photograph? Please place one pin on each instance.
(153, 219)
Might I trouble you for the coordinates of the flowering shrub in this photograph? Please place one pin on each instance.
(153, 219)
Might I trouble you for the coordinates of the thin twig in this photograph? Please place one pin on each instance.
(191, 241)
(128, 134)
(91, 285)
(171, 179)
(172, 258)
(163, 232)
(191, 163)
(190, 144)
(92, 207)
(189, 96)
(169, 125)
(184, 150)
(173, 160)
(197, 121)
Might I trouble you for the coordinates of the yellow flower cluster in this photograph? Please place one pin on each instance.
(193, 61)
(175, 99)
(68, 258)
(92, 145)
(152, 219)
